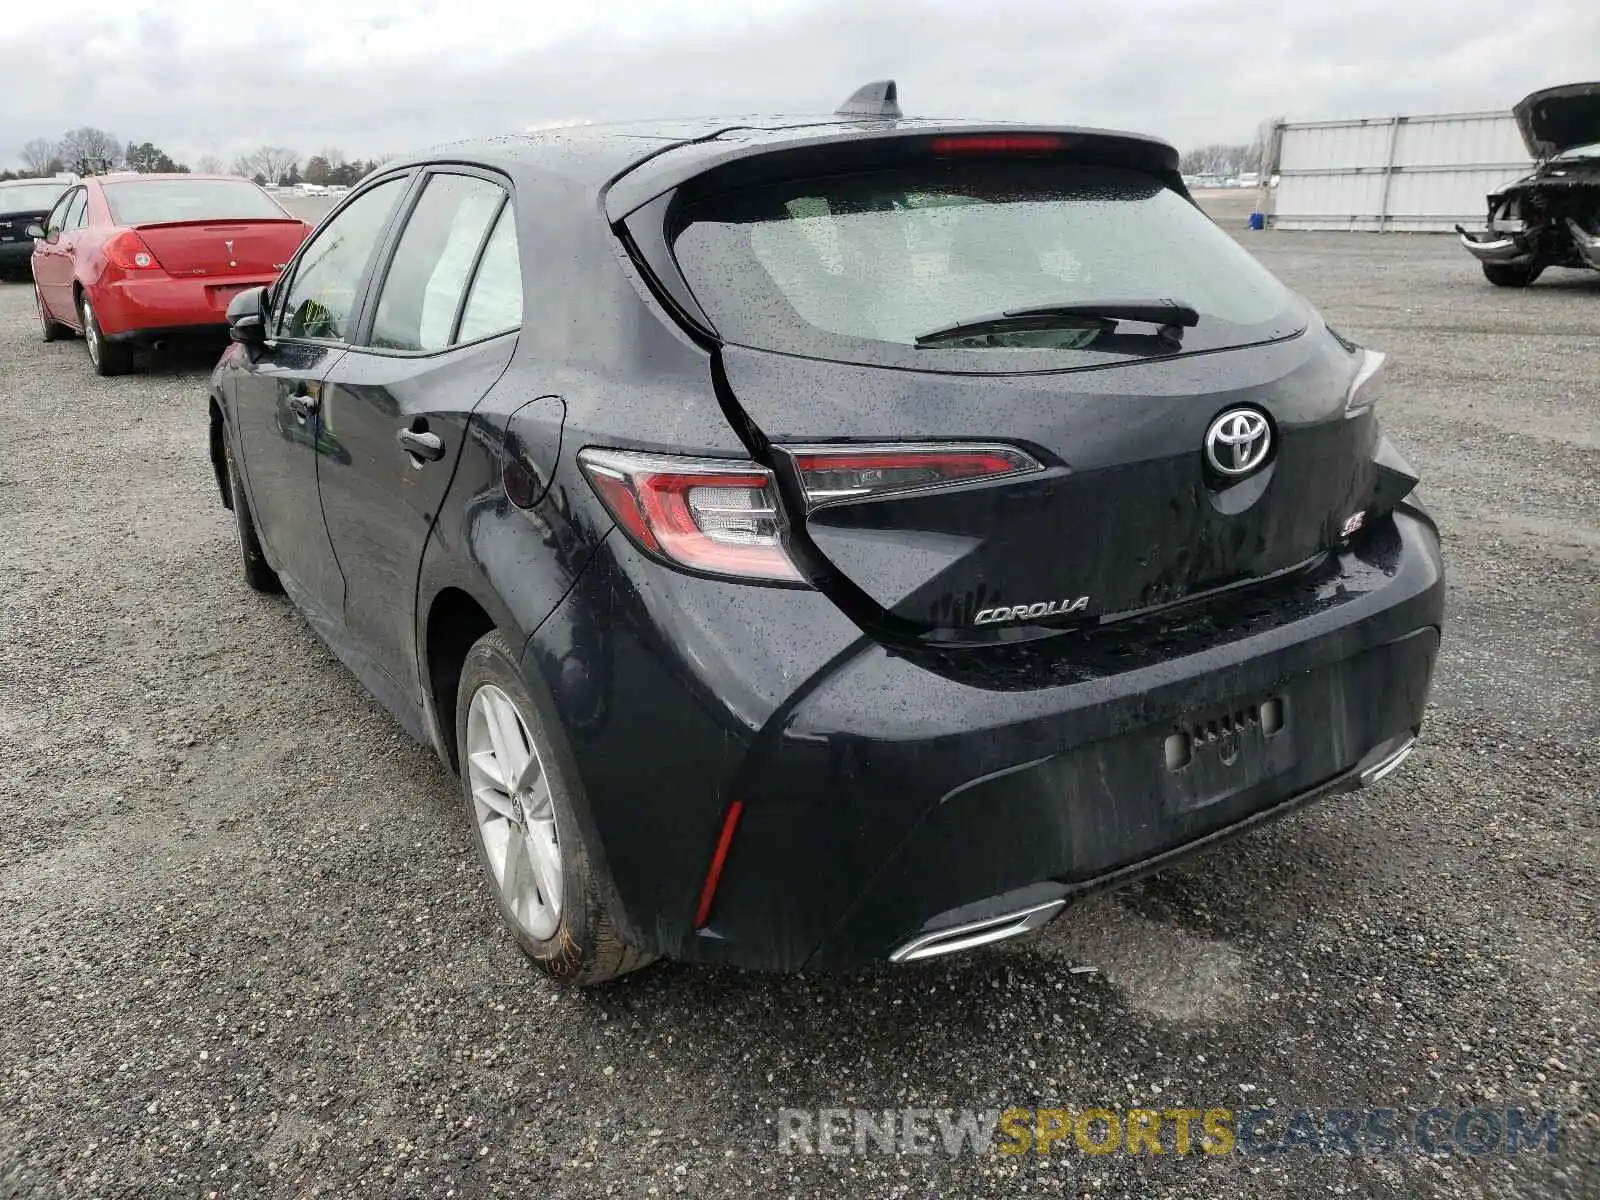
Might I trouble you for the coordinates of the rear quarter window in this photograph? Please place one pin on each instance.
(856, 266)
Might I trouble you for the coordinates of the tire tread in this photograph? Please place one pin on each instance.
(599, 952)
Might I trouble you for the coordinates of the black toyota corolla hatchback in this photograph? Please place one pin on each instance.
(818, 541)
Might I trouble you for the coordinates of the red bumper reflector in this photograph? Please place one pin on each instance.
(708, 893)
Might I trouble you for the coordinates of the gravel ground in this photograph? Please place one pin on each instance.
(247, 950)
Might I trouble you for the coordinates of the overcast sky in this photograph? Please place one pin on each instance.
(381, 76)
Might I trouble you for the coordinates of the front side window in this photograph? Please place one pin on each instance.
(495, 303)
(321, 295)
(57, 220)
(427, 278)
(864, 266)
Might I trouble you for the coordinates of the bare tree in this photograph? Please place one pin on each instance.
(88, 150)
(243, 164)
(1264, 150)
(208, 164)
(334, 157)
(272, 163)
(1219, 158)
(38, 155)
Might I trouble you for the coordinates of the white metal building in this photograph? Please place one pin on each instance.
(1394, 173)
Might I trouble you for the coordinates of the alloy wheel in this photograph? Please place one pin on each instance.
(516, 817)
(91, 331)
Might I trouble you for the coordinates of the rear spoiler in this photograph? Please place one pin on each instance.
(286, 219)
(710, 164)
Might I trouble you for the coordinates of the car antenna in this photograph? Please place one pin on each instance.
(878, 99)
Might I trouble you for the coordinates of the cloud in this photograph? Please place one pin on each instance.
(376, 76)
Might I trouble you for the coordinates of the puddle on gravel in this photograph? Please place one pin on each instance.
(1165, 971)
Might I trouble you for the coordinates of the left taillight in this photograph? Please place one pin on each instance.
(725, 518)
(706, 515)
(128, 251)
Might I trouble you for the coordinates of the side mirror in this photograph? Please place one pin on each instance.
(247, 317)
(35, 231)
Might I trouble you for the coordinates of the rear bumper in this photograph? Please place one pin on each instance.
(996, 919)
(143, 309)
(887, 801)
(16, 254)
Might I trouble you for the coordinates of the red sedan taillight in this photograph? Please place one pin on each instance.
(724, 518)
(128, 251)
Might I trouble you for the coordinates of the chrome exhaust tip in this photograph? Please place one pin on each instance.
(1389, 761)
(977, 933)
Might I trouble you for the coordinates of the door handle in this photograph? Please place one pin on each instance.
(421, 445)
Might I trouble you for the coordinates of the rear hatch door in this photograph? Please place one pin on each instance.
(820, 287)
(1125, 513)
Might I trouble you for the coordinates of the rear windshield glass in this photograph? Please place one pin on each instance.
(857, 266)
(30, 197)
(147, 201)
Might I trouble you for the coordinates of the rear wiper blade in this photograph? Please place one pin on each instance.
(1173, 316)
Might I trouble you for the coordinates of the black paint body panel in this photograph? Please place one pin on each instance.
(885, 784)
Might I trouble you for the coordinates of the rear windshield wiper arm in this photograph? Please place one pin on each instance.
(1173, 316)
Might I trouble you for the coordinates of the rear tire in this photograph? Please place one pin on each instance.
(49, 329)
(109, 358)
(574, 940)
(1512, 275)
(257, 574)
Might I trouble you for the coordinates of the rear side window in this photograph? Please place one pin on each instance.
(77, 210)
(495, 303)
(322, 294)
(151, 201)
(857, 266)
(427, 278)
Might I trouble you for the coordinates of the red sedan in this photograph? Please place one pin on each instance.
(127, 260)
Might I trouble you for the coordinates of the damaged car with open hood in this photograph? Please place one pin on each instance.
(1550, 218)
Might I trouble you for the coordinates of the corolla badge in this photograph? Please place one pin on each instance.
(1238, 442)
(1030, 612)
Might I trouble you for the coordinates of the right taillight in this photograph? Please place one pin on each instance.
(1368, 383)
(832, 473)
(707, 515)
